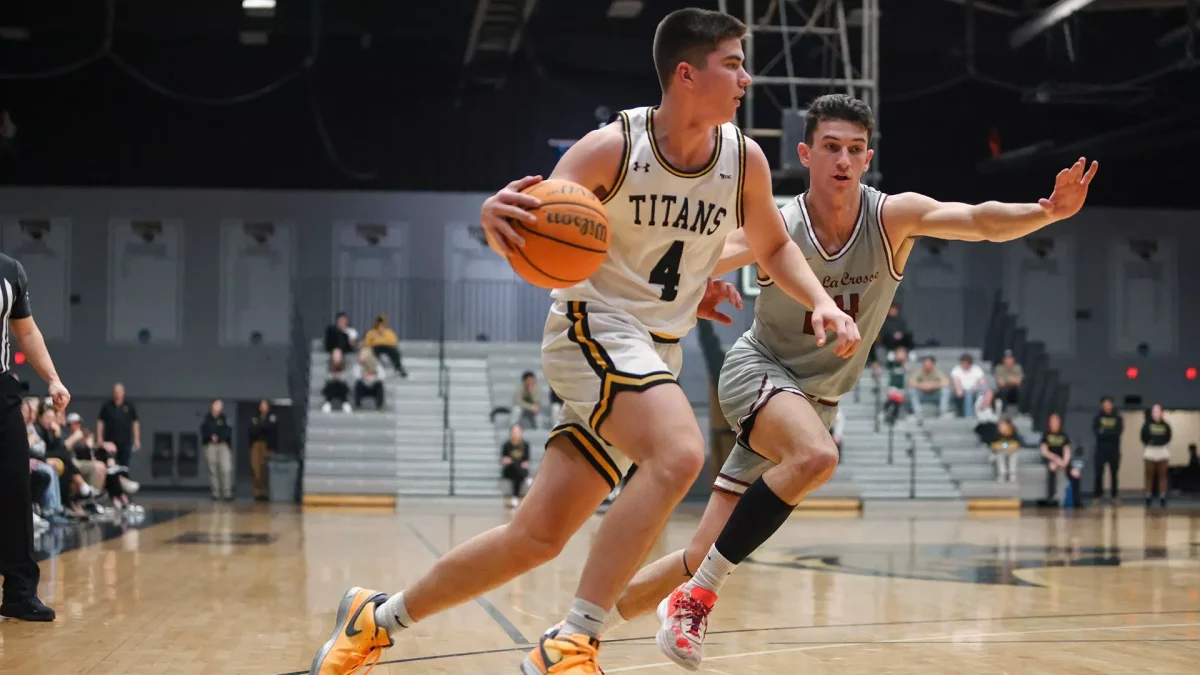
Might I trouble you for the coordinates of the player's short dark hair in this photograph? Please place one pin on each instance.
(1105, 398)
(690, 35)
(838, 107)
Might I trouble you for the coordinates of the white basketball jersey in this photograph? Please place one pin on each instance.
(667, 228)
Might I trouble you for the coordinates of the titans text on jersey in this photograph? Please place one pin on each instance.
(661, 212)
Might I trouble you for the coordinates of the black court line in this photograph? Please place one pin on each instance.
(488, 607)
(650, 640)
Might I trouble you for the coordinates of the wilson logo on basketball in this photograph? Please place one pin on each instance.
(586, 226)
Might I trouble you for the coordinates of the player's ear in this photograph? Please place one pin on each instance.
(870, 156)
(805, 153)
(684, 71)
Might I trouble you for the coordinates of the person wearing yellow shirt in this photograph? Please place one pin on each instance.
(382, 340)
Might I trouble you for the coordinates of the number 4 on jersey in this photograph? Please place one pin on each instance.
(840, 301)
(666, 272)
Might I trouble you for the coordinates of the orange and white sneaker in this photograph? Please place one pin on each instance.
(357, 641)
(559, 654)
(684, 617)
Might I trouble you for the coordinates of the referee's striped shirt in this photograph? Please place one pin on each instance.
(14, 303)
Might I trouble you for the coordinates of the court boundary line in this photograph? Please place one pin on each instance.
(945, 638)
(648, 640)
(513, 632)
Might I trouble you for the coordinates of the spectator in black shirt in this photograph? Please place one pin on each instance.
(514, 458)
(217, 436)
(264, 440)
(17, 564)
(74, 489)
(1108, 425)
(336, 392)
(1056, 453)
(895, 331)
(1156, 436)
(118, 424)
(340, 335)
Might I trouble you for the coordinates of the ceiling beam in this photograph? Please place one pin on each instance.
(526, 11)
(992, 8)
(1045, 19)
(481, 10)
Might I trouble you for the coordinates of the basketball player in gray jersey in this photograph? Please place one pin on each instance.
(777, 389)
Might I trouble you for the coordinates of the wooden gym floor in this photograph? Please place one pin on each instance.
(242, 588)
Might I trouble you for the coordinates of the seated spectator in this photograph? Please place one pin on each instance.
(895, 332)
(368, 384)
(47, 493)
(340, 335)
(1056, 455)
(897, 384)
(514, 462)
(1005, 451)
(1009, 375)
(969, 382)
(527, 400)
(383, 342)
(987, 416)
(336, 392)
(75, 491)
(93, 470)
(929, 384)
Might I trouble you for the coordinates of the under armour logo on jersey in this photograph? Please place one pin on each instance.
(644, 166)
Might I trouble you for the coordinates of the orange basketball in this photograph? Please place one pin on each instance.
(569, 240)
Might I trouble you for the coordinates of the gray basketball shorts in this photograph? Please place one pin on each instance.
(748, 380)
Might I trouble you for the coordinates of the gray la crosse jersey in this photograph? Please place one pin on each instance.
(861, 278)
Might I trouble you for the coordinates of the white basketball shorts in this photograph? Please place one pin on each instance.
(591, 352)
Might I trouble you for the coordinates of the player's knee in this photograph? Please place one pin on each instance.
(540, 542)
(816, 463)
(678, 464)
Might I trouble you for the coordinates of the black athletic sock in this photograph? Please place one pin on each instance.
(757, 516)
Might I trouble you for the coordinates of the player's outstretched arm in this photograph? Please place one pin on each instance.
(783, 260)
(593, 162)
(914, 215)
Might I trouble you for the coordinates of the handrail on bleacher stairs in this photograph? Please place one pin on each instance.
(1043, 391)
(299, 371)
(448, 449)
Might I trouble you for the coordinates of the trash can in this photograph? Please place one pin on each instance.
(283, 478)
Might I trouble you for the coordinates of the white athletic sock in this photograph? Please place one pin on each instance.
(713, 571)
(584, 618)
(613, 620)
(392, 615)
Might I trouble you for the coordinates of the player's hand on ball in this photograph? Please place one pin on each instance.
(508, 204)
(1070, 190)
(716, 293)
(825, 317)
(59, 394)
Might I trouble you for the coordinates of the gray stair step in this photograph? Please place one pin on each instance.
(320, 451)
(360, 485)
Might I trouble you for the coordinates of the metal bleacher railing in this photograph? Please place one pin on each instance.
(1043, 391)
(299, 366)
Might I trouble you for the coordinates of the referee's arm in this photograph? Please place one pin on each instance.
(29, 337)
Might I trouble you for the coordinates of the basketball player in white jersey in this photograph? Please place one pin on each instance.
(780, 392)
(675, 180)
